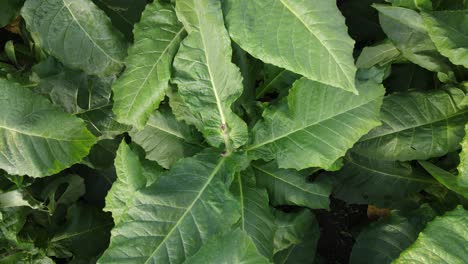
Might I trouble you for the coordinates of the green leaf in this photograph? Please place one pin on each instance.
(170, 220)
(463, 166)
(209, 83)
(256, 216)
(55, 192)
(367, 180)
(290, 187)
(138, 92)
(102, 122)
(78, 33)
(445, 178)
(303, 252)
(37, 138)
(405, 28)
(449, 32)
(291, 228)
(442, 241)
(123, 13)
(9, 9)
(231, 248)
(17, 198)
(380, 54)
(84, 224)
(276, 79)
(318, 47)
(417, 125)
(413, 4)
(133, 174)
(316, 125)
(383, 241)
(167, 140)
(12, 221)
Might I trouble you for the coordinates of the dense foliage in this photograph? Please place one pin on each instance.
(218, 131)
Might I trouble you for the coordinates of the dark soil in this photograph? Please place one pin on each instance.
(336, 238)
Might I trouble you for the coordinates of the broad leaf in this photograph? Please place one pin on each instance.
(256, 216)
(417, 125)
(405, 28)
(208, 81)
(444, 240)
(367, 180)
(144, 83)
(316, 125)
(78, 33)
(167, 140)
(291, 228)
(37, 138)
(318, 47)
(133, 174)
(449, 32)
(383, 241)
(233, 247)
(9, 9)
(171, 219)
(290, 187)
(445, 178)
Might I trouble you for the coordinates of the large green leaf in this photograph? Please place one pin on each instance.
(449, 32)
(171, 219)
(78, 33)
(417, 125)
(256, 216)
(316, 125)
(133, 174)
(291, 187)
(234, 247)
(144, 83)
(208, 81)
(308, 37)
(463, 166)
(167, 140)
(405, 28)
(445, 178)
(37, 138)
(383, 241)
(444, 240)
(9, 9)
(367, 180)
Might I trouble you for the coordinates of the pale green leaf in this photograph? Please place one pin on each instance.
(78, 33)
(308, 37)
(316, 124)
(171, 219)
(444, 240)
(256, 216)
(405, 28)
(380, 54)
(445, 178)
(366, 180)
(144, 83)
(209, 83)
(449, 32)
(463, 166)
(37, 138)
(417, 125)
(234, 247)
(133, 174)
(413, 4)
(167, 140)
(291, 187)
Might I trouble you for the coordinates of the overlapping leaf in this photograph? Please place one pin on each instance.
(306, 37)
(207, 80)
(144, 83)
(316, 125)
(78, 33)
(37, 138)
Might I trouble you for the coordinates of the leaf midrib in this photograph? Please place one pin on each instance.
(189, 208)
